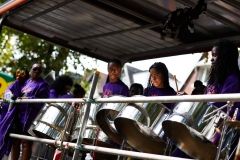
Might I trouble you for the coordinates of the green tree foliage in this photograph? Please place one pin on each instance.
(20, 49)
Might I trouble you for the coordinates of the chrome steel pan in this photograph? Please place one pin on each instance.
(105, 119)
(52, 121)
(131, 123)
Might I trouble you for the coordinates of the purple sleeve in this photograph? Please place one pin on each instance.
(66, 96)
(231, 85)
(53, 93)
(16, 88)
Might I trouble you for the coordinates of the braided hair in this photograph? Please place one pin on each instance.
(227, 61)
(160, 67)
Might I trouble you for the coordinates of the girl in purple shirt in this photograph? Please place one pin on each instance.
(224, 74)
(158, 83)
(224, 78)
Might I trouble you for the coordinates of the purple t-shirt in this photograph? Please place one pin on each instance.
(115, 88)
(231, 85)
(54, 94)
(154, 91)
(33, 90)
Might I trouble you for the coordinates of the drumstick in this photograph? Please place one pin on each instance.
(175, 79)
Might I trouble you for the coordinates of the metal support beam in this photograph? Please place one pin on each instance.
(47, 10)
(214, 16)
(232, 3)
(86, 115)
(110, 151)
(127, 10)
(121, 31)
(154, 23)
(234, 97)
(3, 17)
(180, 49)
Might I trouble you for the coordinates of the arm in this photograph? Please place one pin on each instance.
(231, 85)
(16, 88)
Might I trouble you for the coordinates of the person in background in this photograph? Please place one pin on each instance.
(158, 83)
(61, 86)
(22, 75)
(20, 117)
(136, 89)
(78, 91)
(199, 88)
(224, 78)
(115, 86)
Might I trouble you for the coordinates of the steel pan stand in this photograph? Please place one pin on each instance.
(235, 125)
(122, 147)
(168, 149)
(232, 132)
(229, 106)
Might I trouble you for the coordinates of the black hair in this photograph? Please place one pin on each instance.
(60, 83)
(199, 88)
(78, 90)
(227, 61)
(138, 86)
(114, 60)
(160, 67)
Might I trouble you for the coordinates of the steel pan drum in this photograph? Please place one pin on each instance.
(131, 124)
(105, 118)
(30, 130)
(194, 133)
(52, 121)
(92, 132)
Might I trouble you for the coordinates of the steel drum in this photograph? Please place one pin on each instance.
(52, 121)
(93, 135)
(192, 133)
(34, 123)
(132, 125)
(105, 118)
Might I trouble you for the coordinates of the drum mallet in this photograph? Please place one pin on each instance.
(175, 79)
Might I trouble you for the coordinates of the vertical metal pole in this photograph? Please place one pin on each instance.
(122, 146)
(229, 106)
(86, 115)
(2, 19)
